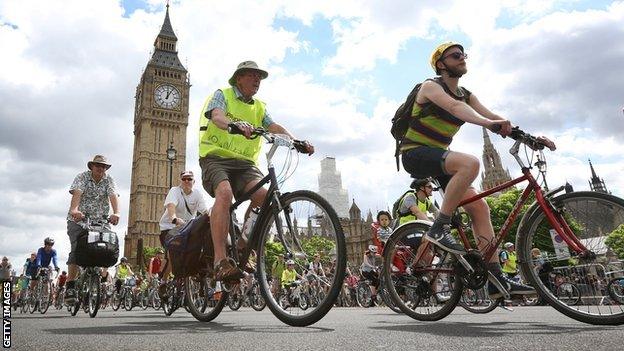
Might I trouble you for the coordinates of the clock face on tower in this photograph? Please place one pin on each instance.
(167, 96)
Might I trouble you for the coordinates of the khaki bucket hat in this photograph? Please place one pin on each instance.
(99, 159)
(247, 65)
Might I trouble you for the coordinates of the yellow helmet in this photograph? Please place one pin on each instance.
(437, 53)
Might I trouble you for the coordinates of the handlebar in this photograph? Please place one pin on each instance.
(299, 145)
(526, 138)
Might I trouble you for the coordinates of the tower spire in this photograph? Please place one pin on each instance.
(596, 183)
(493, 173)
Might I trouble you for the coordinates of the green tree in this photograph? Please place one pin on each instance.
(615, 241)
(272, 250)
(320, 245)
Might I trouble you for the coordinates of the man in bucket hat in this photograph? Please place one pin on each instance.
(228, 161)
(91, 192)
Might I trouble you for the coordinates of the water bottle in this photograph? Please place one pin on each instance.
(250, 222)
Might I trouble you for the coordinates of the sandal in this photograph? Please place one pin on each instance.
(226, 270)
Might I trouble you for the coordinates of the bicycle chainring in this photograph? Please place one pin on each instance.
(478, 278)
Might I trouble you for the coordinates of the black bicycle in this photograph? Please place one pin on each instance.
(288, 224)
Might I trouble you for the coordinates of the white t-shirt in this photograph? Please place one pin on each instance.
(177, 196)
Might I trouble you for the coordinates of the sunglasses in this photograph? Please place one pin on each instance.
(187, 179)
(457, 55)
(98, 165)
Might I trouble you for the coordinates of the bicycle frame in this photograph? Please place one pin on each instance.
(273, 194)
(555, 218)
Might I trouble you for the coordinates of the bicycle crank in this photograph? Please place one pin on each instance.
(472, 270)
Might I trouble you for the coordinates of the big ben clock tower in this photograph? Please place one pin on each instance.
(160, 120)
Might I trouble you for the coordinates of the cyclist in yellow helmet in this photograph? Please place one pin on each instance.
(442, 106)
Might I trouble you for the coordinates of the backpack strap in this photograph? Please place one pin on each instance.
(185, 203)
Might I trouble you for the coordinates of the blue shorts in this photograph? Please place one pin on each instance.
(425, 161)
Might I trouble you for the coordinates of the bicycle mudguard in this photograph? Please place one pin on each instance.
(421, 221)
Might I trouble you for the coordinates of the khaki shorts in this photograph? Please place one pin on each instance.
(238, 172)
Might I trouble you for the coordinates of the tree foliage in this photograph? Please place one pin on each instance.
(615, 241)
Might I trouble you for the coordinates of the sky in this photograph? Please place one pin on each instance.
(337, 72)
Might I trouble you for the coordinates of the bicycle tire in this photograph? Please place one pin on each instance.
(473, 306)
(421, 290)
(170, 303)
(615, 288)
(128, 300)
(76, 306)
(209, 308)
(45, 297)
(94, 296)
(235, 301)
(364, 295)
(323, 223)
(589, 214)
(255, 296)
(385, 297)
(116, 300)
(33, 303)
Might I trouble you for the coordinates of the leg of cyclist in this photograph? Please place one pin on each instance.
(463, 169)
(219, 227)
(73, 231)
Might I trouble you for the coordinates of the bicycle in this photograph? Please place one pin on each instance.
(570, 227)
(286, 220)
(88, 287)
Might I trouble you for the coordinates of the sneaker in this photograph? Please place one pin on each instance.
(70, 296)
(443, 239)
(227, 270)
(513, 287)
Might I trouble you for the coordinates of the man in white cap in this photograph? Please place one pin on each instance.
(93, 192)
(228, 161)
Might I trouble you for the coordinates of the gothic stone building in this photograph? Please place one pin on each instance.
(160, 120)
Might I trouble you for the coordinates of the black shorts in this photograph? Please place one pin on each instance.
(425, 161)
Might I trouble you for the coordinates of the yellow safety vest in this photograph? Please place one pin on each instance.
(510, 266)
(218, 142)
(423, 206)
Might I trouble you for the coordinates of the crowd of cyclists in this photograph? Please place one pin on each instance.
(436, 109)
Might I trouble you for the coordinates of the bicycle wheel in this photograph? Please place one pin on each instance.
(478, 301)
(428, 291)
(76, 306)
(203, 302)
(387, 300)
(235, 299)
(364, 295)
(616, 290)
(592, 216)
(170, 304)
(116, 300)
(303, 224)
(255, 296)
(128, 299)
(94, 294)
(33, 301)
(568, 293)
(45, 297)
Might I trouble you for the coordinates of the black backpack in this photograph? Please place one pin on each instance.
(95, 249)
(401, 119)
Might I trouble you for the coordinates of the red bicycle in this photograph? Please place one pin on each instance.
(569, 230)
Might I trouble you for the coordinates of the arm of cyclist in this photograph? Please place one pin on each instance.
(433, 92)
(73, 207)
(277, 128)
(114, 218)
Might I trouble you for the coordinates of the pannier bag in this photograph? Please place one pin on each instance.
(96, 249)
(191, 248)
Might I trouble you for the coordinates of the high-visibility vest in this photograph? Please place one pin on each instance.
(215, 141)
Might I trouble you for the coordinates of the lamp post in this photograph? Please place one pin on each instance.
(171, 156)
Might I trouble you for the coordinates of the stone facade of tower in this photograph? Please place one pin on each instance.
(160, 119)
(330, 187)
(493, 173)
(596, 183)
(358, 235)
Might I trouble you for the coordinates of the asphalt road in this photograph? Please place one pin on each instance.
(526, 328)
